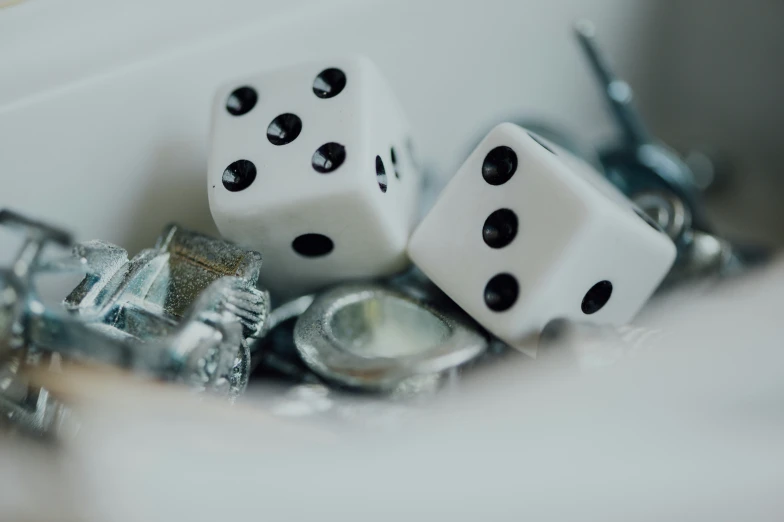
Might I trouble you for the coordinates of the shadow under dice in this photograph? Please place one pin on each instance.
(311, 166)
(525, 233)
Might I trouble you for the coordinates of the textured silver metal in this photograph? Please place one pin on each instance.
(275, 357)
(290, 310)
(31, 409)
(703, 256)
(700, 254)
(191, 300)
(24, 406)
(183, 311)
(164, 281)
(375, 337)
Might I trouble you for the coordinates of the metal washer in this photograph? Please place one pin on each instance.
(336, 338)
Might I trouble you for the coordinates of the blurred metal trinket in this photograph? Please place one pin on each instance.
(639, 163)
(700, 254)
(377, 338)
(183, 311)
(31, 409)
(192, 299)
(667, 212)
(24, 406)
(662, 184)
(275, 356)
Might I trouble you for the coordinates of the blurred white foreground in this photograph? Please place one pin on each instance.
(690, 426)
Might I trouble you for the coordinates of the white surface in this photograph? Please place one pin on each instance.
(104, 106)
(572, 234)
(688, 427)
(369, 228)
(104, 112)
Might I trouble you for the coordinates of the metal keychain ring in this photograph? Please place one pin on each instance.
(666, 210)
(373, 337)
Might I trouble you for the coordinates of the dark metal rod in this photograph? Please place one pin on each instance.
(617, 92)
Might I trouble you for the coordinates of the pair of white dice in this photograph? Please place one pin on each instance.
(312, 166)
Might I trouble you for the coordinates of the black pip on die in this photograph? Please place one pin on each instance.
(311, 165)
(525, 233)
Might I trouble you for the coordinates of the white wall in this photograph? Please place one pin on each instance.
(104, 119)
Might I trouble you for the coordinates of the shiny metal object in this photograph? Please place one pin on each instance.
(661, 183)
(275, 357)
(24, 406)
(183, 311)
(700, 255)
(667, 211)
(639, 163)
(290, 310)
(711, 168)
(191, 300)
(31, 409)
(378, 338)
(160, 284)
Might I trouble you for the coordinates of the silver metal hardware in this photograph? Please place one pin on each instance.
(374, 337)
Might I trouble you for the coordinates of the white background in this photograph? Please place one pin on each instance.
(104, 106)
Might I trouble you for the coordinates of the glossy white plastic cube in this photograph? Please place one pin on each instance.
(579, 250)
(290, 207)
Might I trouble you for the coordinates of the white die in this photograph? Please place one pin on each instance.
(333, 192)
(525, 233)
